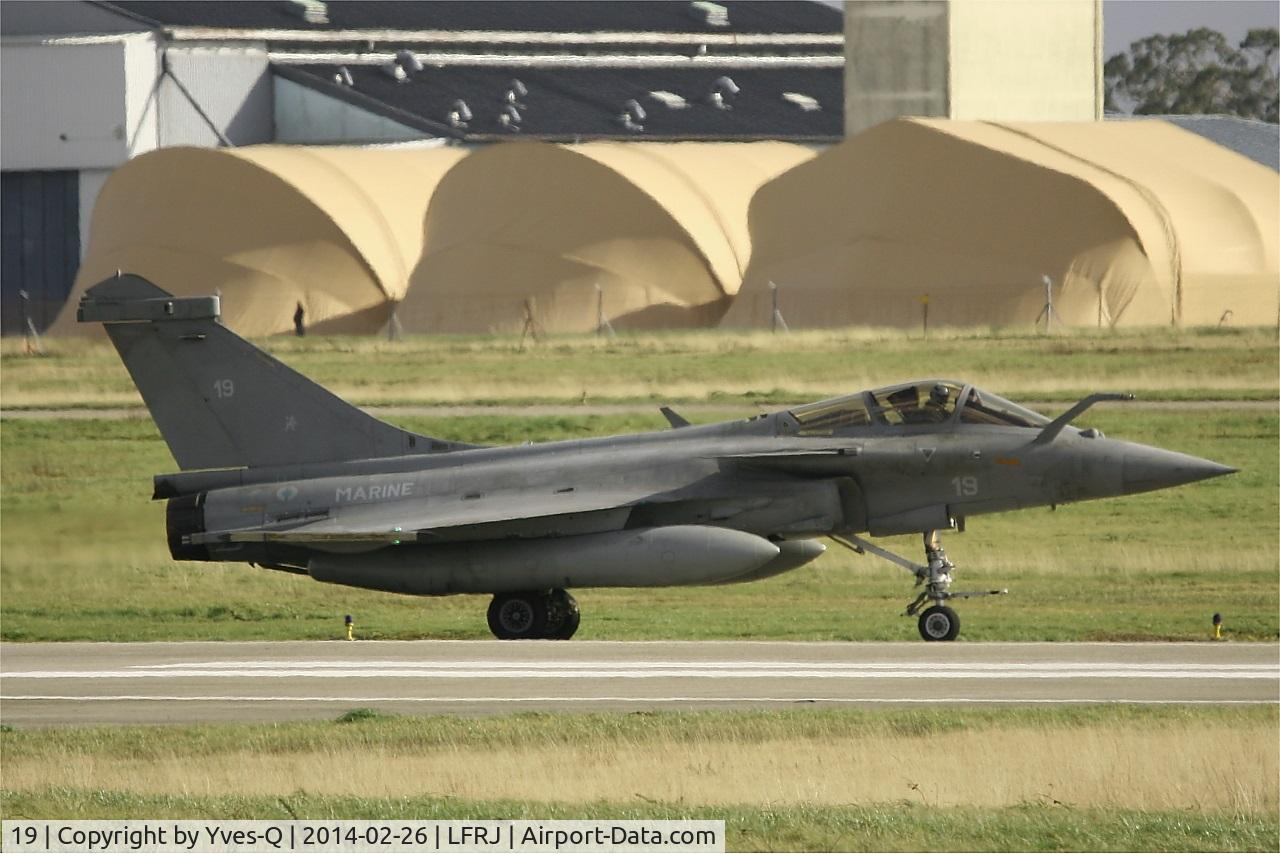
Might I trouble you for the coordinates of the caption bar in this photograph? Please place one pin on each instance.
(250, 837)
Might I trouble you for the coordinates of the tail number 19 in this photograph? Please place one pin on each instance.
(965, 486)
(224, 388)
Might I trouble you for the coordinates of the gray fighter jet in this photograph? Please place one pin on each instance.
(279, 473)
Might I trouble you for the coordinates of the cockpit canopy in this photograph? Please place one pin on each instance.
(926, 402)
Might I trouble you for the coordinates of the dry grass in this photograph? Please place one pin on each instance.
(781, 385)
(702, 365)
(775, 386)
(1198, 766)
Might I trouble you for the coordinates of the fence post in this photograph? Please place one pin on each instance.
(775, 316)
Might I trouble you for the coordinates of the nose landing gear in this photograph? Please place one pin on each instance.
(937, 622)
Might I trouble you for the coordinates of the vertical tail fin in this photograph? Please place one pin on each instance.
(219, 401)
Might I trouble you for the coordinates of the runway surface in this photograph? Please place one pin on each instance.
(83, 683)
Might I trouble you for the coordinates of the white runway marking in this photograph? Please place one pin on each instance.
(790, 700)
(46, 684)
(482, 664)
(662, 670)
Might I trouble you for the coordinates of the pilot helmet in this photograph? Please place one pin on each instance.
(939, 394)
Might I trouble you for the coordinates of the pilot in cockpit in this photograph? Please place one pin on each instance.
(939, 397)
(906, 402)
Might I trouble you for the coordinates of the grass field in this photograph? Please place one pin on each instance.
(904, 826)
(708, 366)
(85, 557)
(1091, 778)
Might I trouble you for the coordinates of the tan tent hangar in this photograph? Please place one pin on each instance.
(337, 229)
(655, 234)
(1135, 223)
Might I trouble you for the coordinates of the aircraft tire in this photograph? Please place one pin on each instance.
(518, 616)
(564, 616)
(569, 627)
(939, 623)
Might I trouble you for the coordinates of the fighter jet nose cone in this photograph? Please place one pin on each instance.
(1145, 469)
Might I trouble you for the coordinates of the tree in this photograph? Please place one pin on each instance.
(1199, 72)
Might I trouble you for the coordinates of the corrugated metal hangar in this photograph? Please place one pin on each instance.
(470, 166)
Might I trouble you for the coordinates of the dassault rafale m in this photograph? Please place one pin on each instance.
(281, 474)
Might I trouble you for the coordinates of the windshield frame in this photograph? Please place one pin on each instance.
(1034, 420)
(810, 417)
(879, 411)
(995, 411)
(872, 405)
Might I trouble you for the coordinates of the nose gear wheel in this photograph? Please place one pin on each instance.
(937, 621)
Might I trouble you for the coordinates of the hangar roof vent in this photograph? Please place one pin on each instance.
(632, 116)
(516, 91)
(725, 86)
(803, 101)
(670, 100)
(711, 14)
(460, 114)
(311, 11)
(510, 118)
(408, 60)
(722, 93)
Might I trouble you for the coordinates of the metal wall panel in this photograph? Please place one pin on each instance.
(142, 77)
(896, 61)
(232, 87)
(40, 229)
(62, 106)
(303, 115)
(11, 249)
(91, 182)
(993, 60)
(1026, 60)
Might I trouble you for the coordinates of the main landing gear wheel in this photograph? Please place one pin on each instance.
(939, 623)
(518, 616)
(563, 616)
(536, 615)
